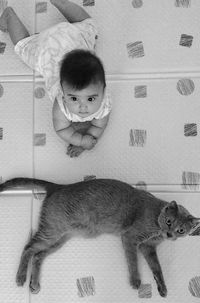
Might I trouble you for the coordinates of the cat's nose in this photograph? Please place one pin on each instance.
(169, 235)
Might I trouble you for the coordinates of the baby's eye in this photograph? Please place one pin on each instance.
(91, 99)
(73, 99)
(181, 231)
(168, 222)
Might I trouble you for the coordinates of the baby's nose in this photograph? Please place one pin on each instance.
(83, 105)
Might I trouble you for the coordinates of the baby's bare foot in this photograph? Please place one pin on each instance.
(74, 151)
(4, 14)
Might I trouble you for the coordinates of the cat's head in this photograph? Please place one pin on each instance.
(175, 221)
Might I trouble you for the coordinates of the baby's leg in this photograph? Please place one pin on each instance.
(81, 127)
(10, 22)
(71, 11)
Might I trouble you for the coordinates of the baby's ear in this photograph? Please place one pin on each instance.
(172, 208)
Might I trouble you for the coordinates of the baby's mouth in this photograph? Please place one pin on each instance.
(83, 113)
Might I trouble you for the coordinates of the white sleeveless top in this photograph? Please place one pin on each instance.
(43, 52)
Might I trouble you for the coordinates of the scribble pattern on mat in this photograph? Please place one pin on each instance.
(145, 291)
(135, 49)
(137, 3)
(194, 287)
(185, 86)
(1, 133)
(186, 40)
(88, 2)
(190, 129)
(138, 137)
(39, 139)
(141, 185)
(89, 177)
(41, 7)
(191, 180)
(3, 5)
(86, 286)
(1, 90)
(140, 91)
(2, 47)
(183, 3)
(39, 92)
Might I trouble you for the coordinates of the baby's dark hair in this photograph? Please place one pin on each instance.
(80, 68)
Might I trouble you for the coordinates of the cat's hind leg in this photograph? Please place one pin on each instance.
(30, 249)
(38, 243)
(35, 271)
(130, 249)
(150, 254)
(38, 260)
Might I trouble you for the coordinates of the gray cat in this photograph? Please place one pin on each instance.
(91, 208)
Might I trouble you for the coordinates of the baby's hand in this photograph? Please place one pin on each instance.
(88, 142)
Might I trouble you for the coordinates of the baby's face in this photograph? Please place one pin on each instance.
(83, 102)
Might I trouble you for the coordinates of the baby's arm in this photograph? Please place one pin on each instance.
(67, 132)
(97, 127)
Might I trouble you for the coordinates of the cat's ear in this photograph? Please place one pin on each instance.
(173, 204)
(194, 220)
(195, 230)
(172, 207)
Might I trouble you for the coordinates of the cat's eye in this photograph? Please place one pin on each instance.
(168, 222)
(181, 231)
(73, 98)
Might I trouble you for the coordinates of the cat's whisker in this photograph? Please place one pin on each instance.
(194, 228)
(148, 236)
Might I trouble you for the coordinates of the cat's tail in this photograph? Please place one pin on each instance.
(29, 183)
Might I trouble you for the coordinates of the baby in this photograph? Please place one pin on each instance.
(74, 76)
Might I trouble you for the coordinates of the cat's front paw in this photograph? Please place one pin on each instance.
(162, 289)
(34, 287)
(135, 282)
(20, 278)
